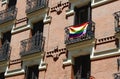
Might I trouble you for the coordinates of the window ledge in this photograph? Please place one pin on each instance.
(105, 54)
(100, 3)
(4, 2)
(69, 12)
(19, 29)
(47, 19)
(43, 66)
(67, 62)
(14, 72)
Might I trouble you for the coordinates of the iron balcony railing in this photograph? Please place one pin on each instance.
(4, 51)
(117, 21)
(34, 5)
(8, 14)
(32, 45)
(89, 34)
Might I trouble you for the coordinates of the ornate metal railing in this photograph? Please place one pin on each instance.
(4, 51)
(8, 14)
(34, 5)
(117, 21)
(32, 45)
(89, 34)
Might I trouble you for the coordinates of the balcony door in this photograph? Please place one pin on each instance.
(82, 14)
(37, 37)
(6, 37)
(2, 76)
(37, 27)
(32, 72)
(82, 67)
(12, 3)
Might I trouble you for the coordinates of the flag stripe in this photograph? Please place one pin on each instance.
(79, 30)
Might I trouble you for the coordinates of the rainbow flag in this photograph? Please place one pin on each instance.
(78, 31)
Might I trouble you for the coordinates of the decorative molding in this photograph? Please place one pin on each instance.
(55, 54)
(100, 3)
(105, 40)
(47, 19)
(67, 62)
(14, 72)
(69, 13)
(20, 28)
(42, 66)
(4, 2)
(15, 61)
(105, 54)
(21, 20)
(59, 7)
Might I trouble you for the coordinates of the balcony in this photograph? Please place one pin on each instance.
(32, 45)
(117, 21)
(87, 36)
(34, 5)
(79, 3)
(4, 51)
(8, 14)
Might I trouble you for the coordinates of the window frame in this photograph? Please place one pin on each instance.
(6, 34)
(4, 2)
(28, 69)
(99, 3)
(78, 12)
(84, 71)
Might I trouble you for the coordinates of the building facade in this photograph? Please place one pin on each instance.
(59, 39)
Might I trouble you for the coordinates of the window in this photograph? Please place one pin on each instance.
(6, 37)
(37, 27)
(12, 3)
(82, 67)
(32, 72)
(82, 15)
(2, 76)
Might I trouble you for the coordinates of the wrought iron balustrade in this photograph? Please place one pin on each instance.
(117, 21)
(34, 5)
(87, 36)
(32, 45)
(4, 51)
(8, 14)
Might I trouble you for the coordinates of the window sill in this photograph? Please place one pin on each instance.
(69, 13)
(4, 2)
(100, 3)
